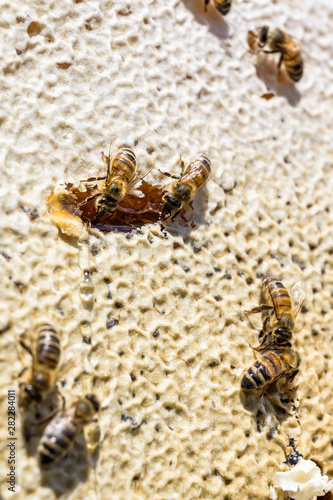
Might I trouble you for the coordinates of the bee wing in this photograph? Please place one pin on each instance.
(72, 356)
(191, 169)
(109, 158)
(140, 173)
(297, 294)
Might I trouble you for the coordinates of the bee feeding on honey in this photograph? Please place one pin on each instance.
(121, 176)
(191, 179)
(120, 203)
(223, 6)
(132, 212)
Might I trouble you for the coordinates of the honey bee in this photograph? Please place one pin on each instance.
(279, 307)
(273, 364)
(193, 178)
(121, 176)
(223, 6)
(45, 360)
(61, 433)
(278, 41)
(40, 380)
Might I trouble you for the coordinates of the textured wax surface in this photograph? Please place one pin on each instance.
(169, 337)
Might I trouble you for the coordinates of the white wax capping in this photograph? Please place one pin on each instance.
(272, 495)
(303, 481)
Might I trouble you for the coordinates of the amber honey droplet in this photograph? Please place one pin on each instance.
(132, 212)
(34, 28)
(268, 96)
(64, 65)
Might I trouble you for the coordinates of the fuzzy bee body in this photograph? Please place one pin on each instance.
(120, 171)
(193, 178)
(61, 433)
(121, 176)
(273, 364)
(279, 309)
(279, 41)
(276, 295)
(45, 355)
(223, 6)
(48, 346)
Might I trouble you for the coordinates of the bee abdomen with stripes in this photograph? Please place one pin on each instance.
(273, 364)
(61, 433)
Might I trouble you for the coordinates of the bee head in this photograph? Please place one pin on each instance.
(42, 381)
(263, 36)
(282, 336)
(106, 205)
(32, 394)
(115, 191)
(170, 203)
(93, 401)
(86, 408)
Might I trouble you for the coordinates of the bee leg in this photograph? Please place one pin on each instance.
(175, 215)
(168, 217)
(271, 51)
(105, 157)
(111, 215)
(292, 376)
(261, 333)
(260, 308)
(181, 165)
(44, 421)
(21, 373)
(191, 204)
(25, 346)
(263, 390)
(265, 327)
(206, 3)
(96, 179)
(169, 175)
(89, 199)
(280, 62)
(260, 348)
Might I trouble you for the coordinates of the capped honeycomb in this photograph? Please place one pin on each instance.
(161, 309)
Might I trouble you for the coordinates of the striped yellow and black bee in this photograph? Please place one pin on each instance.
(191, 179)
(279, 308)
(45, 349)
(45, 359)
(121, 176)
(278, 41)
(272, 365)
(223, 6)
(61, 433)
